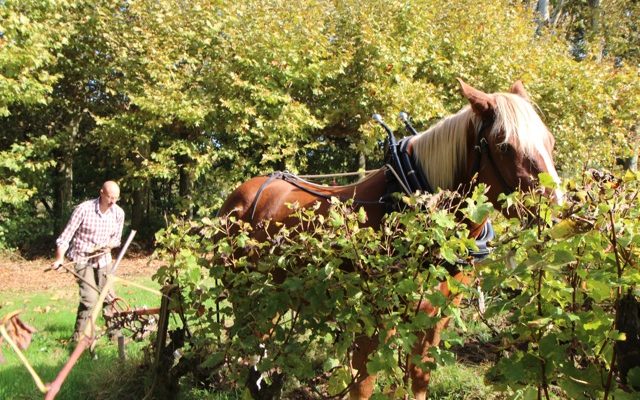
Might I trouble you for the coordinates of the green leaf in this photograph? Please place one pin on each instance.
(478, 212)
(562, 257)
(633, 377)
(562, 229)
(381, 361)
(599, 290)
(443, 219)
(338, 381)
(593, 325)
(539, 323)
(547, 181)
(335, 219)
(448, 253)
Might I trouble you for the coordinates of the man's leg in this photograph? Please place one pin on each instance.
(88, 296)
(107, 308)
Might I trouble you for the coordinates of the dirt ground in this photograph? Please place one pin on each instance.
(21, 275)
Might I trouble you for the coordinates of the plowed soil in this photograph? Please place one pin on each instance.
(19, 275)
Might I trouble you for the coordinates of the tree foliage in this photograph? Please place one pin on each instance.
(31, 32)
(181, 102)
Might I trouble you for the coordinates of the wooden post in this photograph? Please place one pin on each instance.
(121, 353)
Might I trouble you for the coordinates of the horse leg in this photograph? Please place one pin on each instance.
(420, 377)
(257, 385)
(362, 387)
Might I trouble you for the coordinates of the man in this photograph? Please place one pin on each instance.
(95, 227)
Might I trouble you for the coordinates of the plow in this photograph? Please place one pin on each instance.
(121, 317)
(138, 322)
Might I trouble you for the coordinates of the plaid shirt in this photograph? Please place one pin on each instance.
(89, 229)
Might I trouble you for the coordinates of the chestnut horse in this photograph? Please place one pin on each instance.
(498, 139)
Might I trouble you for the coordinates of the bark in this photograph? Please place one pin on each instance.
(185, 187)
(138, 207)
(186, 167)
(595, 28)
(557, 13)
(542, 14)
(631, 162)
(543, 10)
(362, 164)
(628, 322)
(63, 181)
(140, 194)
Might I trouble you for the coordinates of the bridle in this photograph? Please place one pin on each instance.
(483, 148)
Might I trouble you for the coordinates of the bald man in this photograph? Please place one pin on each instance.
(95, 227)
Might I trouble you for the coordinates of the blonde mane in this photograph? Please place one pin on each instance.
(441, 150)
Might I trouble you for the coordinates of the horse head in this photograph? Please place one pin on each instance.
(498, 139)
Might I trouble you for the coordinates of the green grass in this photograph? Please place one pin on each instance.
(52, 313)
(460, 382)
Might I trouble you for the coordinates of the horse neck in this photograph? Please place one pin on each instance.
(442, 150)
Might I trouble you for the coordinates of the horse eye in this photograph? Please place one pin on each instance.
(505, 148)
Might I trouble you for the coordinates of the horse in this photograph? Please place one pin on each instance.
(497, 139)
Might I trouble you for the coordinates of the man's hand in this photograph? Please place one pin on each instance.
(56, 265)
(59, 257)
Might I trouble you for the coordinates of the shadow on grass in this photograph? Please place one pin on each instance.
(104, 376)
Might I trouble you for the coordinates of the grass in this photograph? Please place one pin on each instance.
(460, 382)
(52, 313)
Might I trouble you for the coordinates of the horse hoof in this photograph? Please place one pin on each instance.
(260, 390)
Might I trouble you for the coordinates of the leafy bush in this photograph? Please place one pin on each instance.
(560, 281)
(557, 276)
(343, 280)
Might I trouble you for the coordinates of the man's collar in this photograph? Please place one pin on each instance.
(97, 207)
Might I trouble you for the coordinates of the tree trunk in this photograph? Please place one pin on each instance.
(542, 14)
(63, 194)
(138, 207)
(628, 322)
(362, 164)
(185, 187)
(140, 194)
(595, 29)
(557, 13)
(631, 162)
(63, 181)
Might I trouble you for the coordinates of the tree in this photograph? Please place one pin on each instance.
(182, 101)
(31, 32)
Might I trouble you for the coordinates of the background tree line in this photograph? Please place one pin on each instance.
(181, 100)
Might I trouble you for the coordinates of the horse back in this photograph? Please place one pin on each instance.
(265, 198)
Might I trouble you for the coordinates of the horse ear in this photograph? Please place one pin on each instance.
(481, 103)
(518, 88)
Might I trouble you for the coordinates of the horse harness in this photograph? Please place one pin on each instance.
(402, 175)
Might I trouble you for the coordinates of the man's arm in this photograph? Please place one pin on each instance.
(62, 243)
(116, 239)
